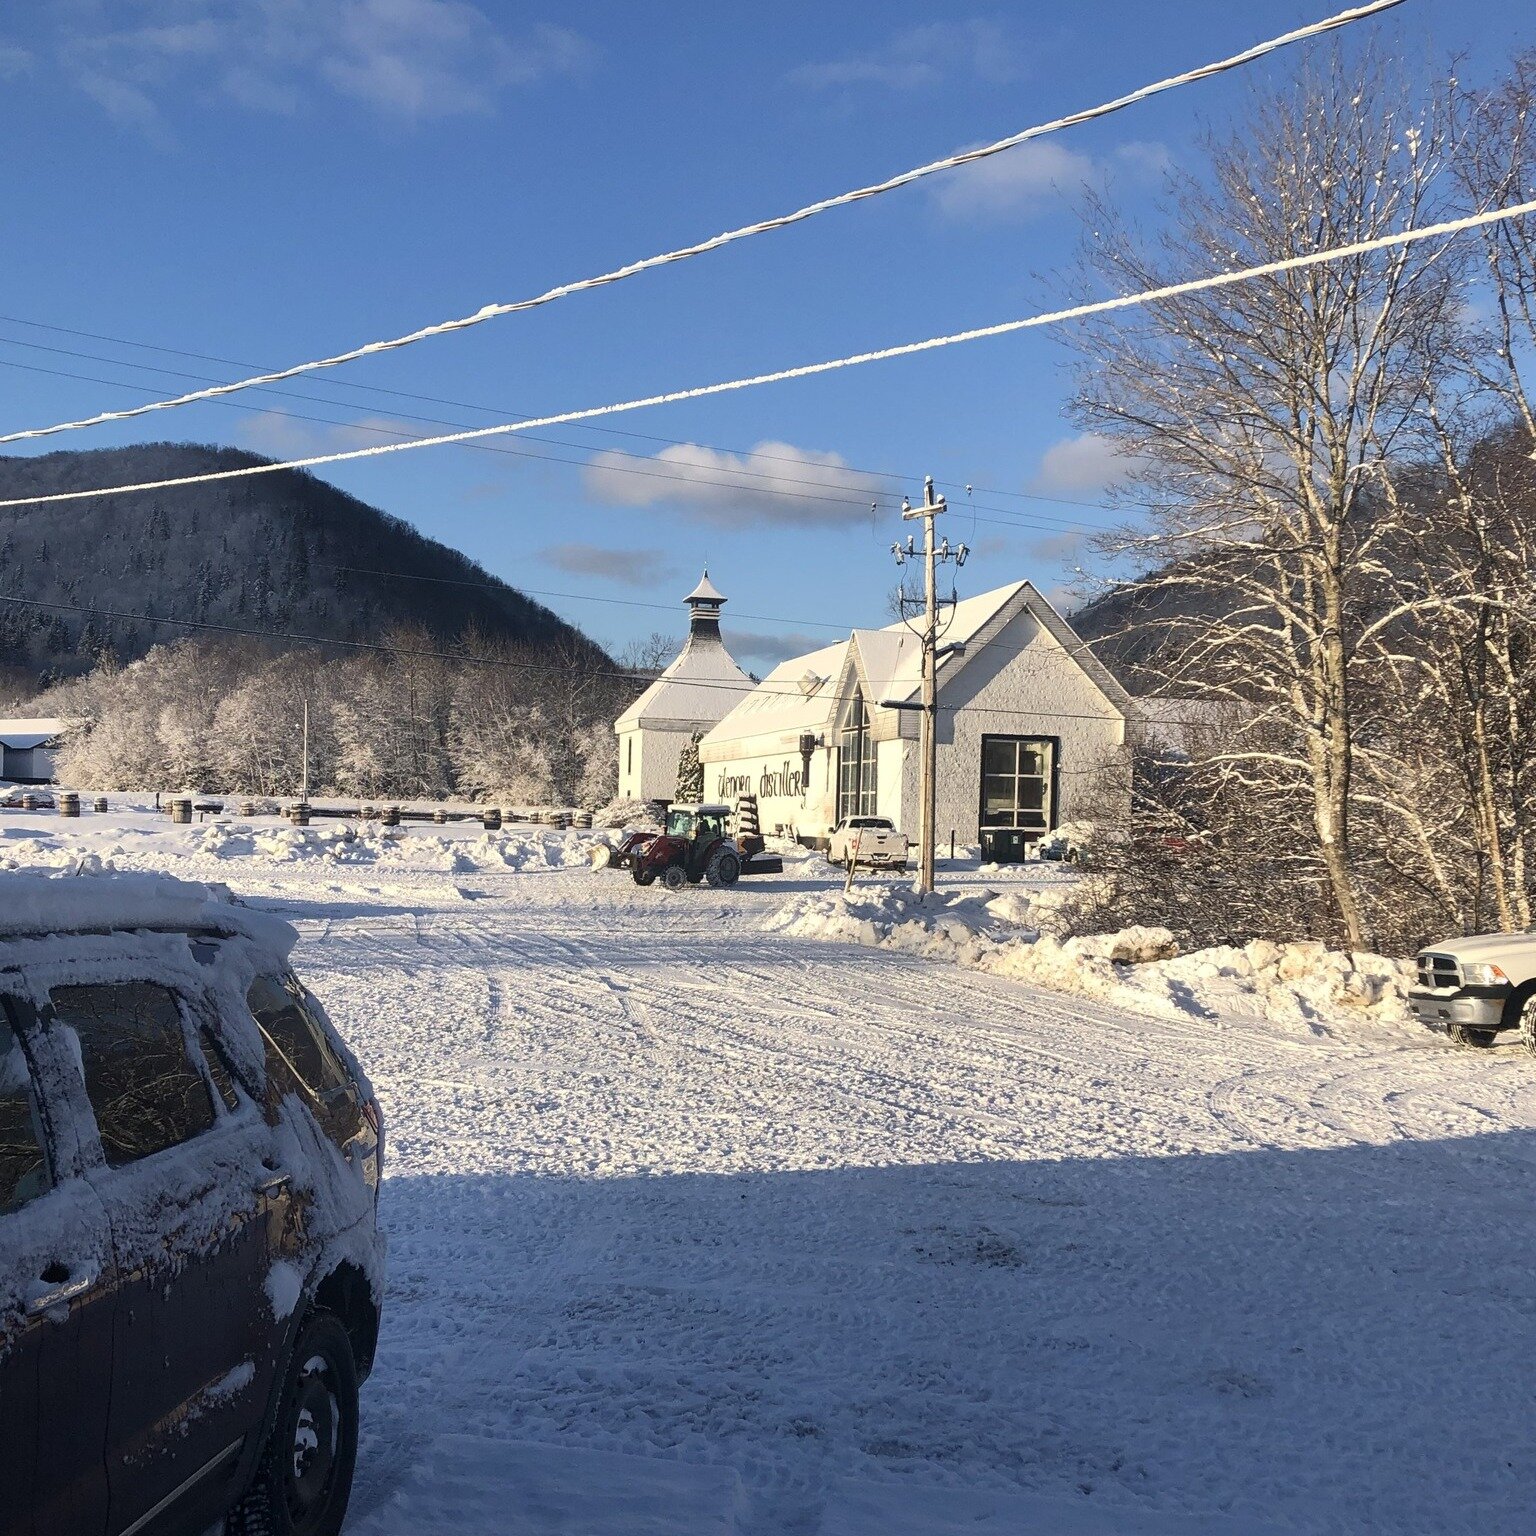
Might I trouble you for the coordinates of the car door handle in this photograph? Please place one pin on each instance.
(59, 1295)
(278, 1179)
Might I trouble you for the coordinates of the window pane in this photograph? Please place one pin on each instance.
(299, 1041)
(997, 794)
(146, 1093)
(23, 1169)
(999, 755)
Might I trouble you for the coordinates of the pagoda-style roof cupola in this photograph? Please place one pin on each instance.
(704, 605)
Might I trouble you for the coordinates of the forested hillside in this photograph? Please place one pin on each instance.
(279, 551)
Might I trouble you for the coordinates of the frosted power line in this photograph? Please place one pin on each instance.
(730, 237)
(809, 370)
(709, 477)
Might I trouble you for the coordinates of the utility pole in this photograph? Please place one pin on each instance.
(929, 745)
(304, 781)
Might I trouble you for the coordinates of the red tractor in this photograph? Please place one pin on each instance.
(696, 847)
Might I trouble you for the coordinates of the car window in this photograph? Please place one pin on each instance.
(296, 1043)
(23, 1167)
(147, 1092)
(218, 1070)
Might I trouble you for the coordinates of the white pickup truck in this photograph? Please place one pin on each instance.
(1474, 987)
(872, 840)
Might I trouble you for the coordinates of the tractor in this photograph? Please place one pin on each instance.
(696, 847)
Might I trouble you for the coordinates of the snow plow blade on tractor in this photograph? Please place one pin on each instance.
(695, 849)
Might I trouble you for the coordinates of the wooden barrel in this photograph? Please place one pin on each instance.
(181, 812)
(440, 816)
(390, 816)
(491, 817)
(101, 803)
(69, 804)
(299, 815)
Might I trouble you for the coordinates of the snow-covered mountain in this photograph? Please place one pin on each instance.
(275, 552)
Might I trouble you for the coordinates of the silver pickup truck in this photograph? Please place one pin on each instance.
(872, 840)
(1477, 986)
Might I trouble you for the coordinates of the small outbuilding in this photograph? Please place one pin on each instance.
(1033, 730)
(27, 749)
(693, 694)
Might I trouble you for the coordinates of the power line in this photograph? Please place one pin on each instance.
(1445, 229)
(488, 410)
(723, 478)
(800, 215)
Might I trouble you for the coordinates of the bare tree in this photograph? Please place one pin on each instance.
(1260, 420)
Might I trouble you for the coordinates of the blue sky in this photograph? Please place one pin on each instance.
(270, 180)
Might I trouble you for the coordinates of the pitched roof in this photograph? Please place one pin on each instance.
(705, 592)
(889, 663)
(797, 695)
(32, 732)
(696, 690)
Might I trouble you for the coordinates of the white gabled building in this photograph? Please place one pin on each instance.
(28, 748)
(1031, 725)
(696, 692)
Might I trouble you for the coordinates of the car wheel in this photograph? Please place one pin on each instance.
(304, 1477)
(1464, 1034)
(643, 875)
(675, 877)
(1528, 1024)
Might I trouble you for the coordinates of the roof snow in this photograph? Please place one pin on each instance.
(698, 689)
(705, 592)
(37, 905)
(889, 663)
(32, 732)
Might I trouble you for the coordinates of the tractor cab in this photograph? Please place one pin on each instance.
(697, 824)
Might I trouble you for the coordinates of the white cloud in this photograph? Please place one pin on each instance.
(278, 436)
(1081, 466)
(770, 650)
(921, 55)
(414, 59)
(775, 482)
(1018, 182)
(629, 567)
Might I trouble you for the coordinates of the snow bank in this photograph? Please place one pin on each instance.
(1301, 985)
(370, 843)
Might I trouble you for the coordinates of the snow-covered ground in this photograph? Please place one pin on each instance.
(702, 1226)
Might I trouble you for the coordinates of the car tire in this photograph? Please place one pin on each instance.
(674, 877)
(642, 874)
(724, 868)
(300, 1487)
(1528, 1024)
(1464, 1034)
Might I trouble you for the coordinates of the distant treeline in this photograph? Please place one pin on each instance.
(506, 723)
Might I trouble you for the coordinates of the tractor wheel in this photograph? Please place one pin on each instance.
(674, 877)
(724, 867)
(643, 873)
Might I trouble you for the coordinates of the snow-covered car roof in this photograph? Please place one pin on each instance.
(35, 905)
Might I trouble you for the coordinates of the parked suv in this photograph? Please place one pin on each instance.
(1474, 987)
(190, 1265)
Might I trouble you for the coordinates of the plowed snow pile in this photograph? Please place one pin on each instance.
(1302, 985)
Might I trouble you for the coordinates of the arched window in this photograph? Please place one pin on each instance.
(856, 763)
